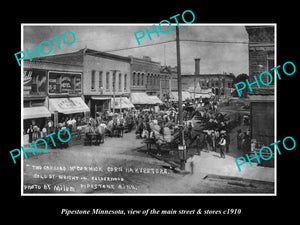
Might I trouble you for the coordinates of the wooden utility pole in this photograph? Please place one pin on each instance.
(181, 147)
(114, 87)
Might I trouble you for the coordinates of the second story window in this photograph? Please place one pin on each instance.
(120, 82)
(114, 82)
(133, 78)
(100, 80)
(93, 80)
(107, 81)
(125, 82)
(142, 79)
(138, 79)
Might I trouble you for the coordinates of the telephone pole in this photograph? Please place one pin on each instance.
(181, 146)
(114, 87)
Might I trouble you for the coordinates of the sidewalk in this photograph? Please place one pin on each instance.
(209, 162)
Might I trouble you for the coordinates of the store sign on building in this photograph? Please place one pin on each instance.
(69, 104)
(27, 77)
(34, 82)
(64, 82)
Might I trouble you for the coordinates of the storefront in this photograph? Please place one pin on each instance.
(67, 108)
(34, 111)
(98, 104)
(52, 93)
(121, 103)
(65, 101)
(185, 96)
(142, 100)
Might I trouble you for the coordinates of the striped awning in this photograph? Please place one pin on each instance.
(68, 105)
(121, 103)
(141, 98)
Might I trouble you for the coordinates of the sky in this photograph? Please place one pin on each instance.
(215, 57)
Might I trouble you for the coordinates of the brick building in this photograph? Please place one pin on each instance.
(145, 75)
(261, 58)
(51, 90)
(106, 78)
(219, 84)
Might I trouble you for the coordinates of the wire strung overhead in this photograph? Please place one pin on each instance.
(185, 40)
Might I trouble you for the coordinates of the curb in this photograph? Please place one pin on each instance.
(173, 166)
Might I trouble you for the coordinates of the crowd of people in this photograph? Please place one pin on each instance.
(35, 132)
(204, 127)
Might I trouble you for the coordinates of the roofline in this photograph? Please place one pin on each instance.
(209, 74)
(36, 60)
(93, 52)
(144, 60)
(88, 51)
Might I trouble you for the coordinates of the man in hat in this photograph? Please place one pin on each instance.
(227, 138)
(213, 140)
(222, 144)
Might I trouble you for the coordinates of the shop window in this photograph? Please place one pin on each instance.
(26, 104)
(37, 103)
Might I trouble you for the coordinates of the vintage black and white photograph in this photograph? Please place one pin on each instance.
(148, 109)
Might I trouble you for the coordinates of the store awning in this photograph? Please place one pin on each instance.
(101, 98)
(121, 103)
(141, 98)
(35, 112)
(185, 95)
(68, 105)
(155, 100)
(201, 95)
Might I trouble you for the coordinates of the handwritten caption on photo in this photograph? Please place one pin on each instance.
(79, 179)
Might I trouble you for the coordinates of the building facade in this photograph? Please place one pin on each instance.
(145, 76)
(51, 90)
(106, 78)
(106, 82)
(166, 82)
(220, 84)
(261, 58)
